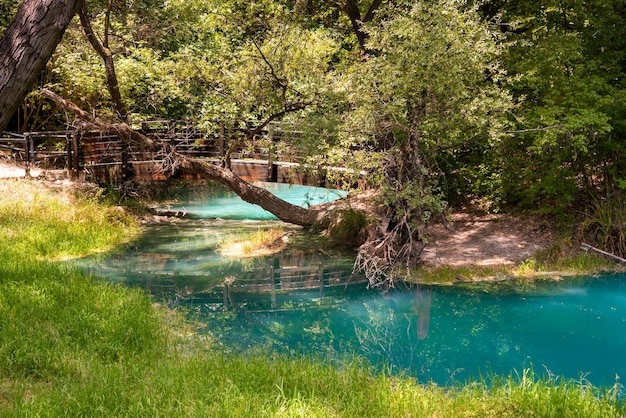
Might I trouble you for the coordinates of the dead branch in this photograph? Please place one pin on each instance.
(599, 251)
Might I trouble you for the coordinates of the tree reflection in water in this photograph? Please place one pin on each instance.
(422, 310)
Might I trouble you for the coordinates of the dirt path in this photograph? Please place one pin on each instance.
(487, 240)
(12, 171)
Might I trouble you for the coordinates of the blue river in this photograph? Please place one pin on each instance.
(307, 301)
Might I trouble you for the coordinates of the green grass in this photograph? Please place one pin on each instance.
(208, 383)
(556, 261)
(261, 242)
(43, 223)
(71, 345)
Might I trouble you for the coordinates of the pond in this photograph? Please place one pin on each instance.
(306, 300)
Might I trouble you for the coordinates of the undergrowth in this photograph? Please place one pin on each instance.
(559, 260)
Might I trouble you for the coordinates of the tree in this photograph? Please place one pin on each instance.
(26, 46)
(430, 87)
(102, 48)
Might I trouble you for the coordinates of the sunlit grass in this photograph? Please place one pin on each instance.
(264, 241)
(549, 263)
(455, 274)
(37, 222)
(210, 383)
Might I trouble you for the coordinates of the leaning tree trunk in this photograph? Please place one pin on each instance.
(280, 208)
(283, 210)
(26, 46)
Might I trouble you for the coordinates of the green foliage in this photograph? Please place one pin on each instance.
(605, 223)
(7, 11)
(200, 60)
(348, 228)
(430, 85)
(565, 72)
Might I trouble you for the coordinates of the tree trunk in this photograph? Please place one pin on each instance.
(283, 210)
(26, 46)
(351, 8)
(105, 53)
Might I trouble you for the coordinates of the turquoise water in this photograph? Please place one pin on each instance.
(224, 204)
(572, 328)
(307, 301)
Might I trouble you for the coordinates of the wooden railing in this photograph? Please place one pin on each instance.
(51, 149)
(104, 157)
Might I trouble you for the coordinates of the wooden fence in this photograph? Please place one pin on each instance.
(270, 155)
(52, 149)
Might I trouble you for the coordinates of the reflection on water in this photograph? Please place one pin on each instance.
(179, 263)
(422, 310)
(569, 328)
(307, 301)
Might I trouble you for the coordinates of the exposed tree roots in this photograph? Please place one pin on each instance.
(389, 257)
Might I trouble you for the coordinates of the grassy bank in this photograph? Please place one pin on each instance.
(539, 267)
(71, 345)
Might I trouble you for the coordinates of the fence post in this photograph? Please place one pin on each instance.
(75, 154)
(27, 148)
(68, 152)
(124, 143)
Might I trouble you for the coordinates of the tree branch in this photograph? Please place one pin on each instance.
(107, 57)
(370, 13)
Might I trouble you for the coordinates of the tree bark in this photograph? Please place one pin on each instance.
(283, 210)
(26, 46)
(351, 9)
(105, 53)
